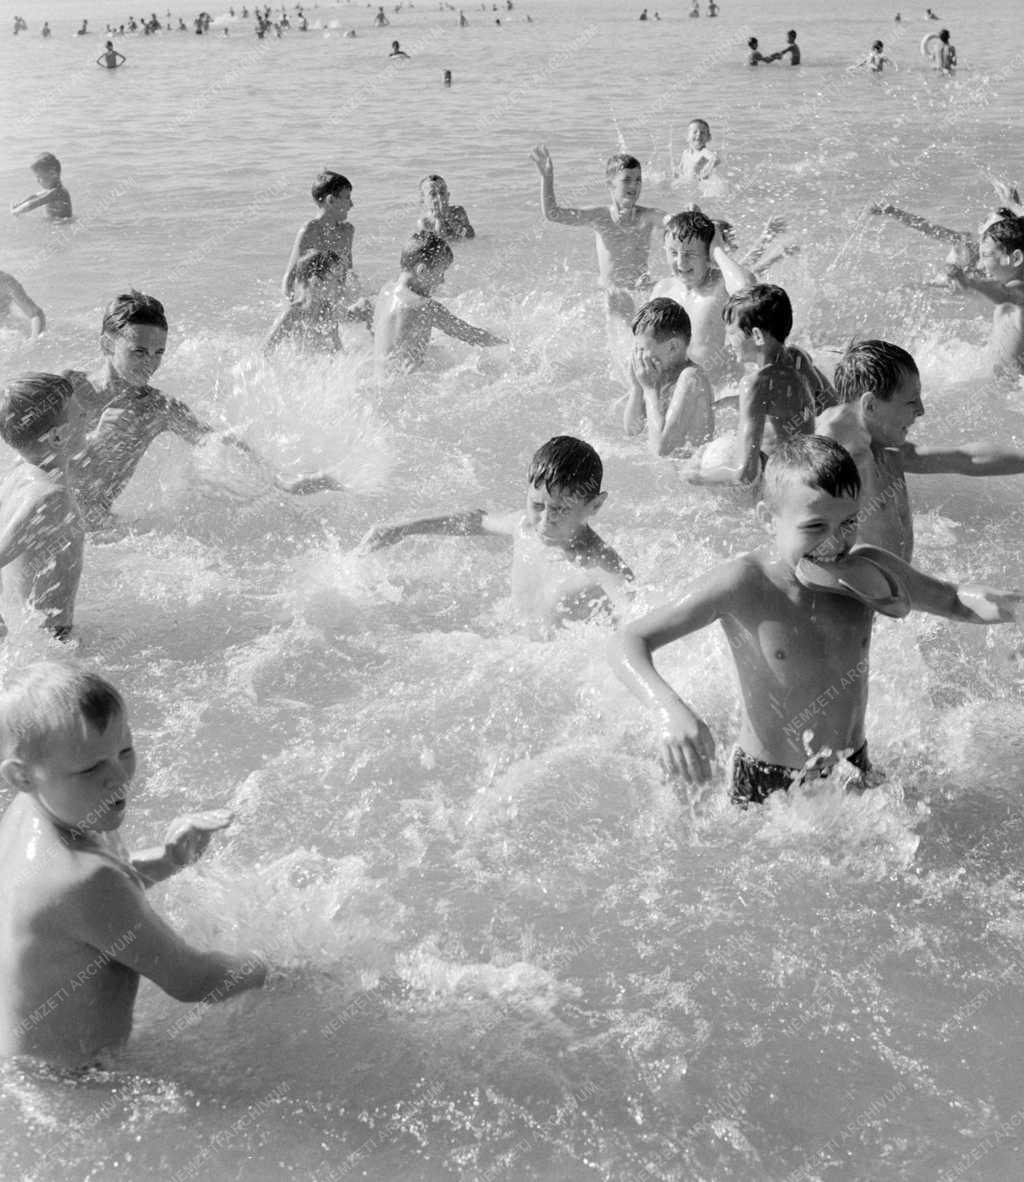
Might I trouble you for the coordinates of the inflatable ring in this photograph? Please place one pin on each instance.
(927, 49)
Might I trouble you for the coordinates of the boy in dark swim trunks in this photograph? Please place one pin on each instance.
(798, 615)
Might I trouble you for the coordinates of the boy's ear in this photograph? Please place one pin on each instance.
(868, 401)
(757, 336)
(595, 503)
(14, 774)
(106, 344)
(1017, 258)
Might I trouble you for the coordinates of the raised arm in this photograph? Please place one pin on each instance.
(474, 522)
(686, 747)
(550, 207)
(735, 276)
(111, 912)
(449, 323)
(929, 229)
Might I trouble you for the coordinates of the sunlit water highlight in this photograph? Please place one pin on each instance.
(508, 950)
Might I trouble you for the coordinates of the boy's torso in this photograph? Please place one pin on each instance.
(623, 246)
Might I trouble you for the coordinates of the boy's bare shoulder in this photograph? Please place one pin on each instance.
(598, 553)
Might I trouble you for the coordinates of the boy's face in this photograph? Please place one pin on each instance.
(434, 195)
(996, 263)
(697, 136)
(888, 420)
(743, 345)
(431, 277)
(135, 353)
(82, 779)
(689, 260)
(556, 516)
(624, 187)
(338, 205)
(47, 177)
(811, 522)
(663, 354)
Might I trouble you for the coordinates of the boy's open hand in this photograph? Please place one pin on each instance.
(646, 370)
(957, 275)
(990, 605)
(687, 749)
(188, 836)
(542, 158)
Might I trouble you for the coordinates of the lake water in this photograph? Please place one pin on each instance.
(508, 950)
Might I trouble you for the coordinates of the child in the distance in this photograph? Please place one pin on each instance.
(439, 216)
(77, 929)
(52, 194)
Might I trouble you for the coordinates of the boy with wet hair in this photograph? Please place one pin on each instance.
(52, 194)
(406, 312)
(698, 161)
(561, 569)
(879, 389)
(798, 615)
(1001, 261)
(311, 319)
(622, 229)
(780, 401)
(704, 275)
(122, 413)
(330, 230)
(450, 222)
(41, 532)
(77, 929)
(668, 393)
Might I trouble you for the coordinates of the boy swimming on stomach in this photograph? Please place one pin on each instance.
(798, 615)
(561, 569)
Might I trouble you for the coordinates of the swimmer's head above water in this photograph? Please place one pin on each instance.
(624, 176)
(661, 334)
(755, 316)
(688, 238)
(425, 258)
(563, 490)
(33, 408)
(884, 381)
(1002, 249)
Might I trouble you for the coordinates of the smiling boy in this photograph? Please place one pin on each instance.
(622, 229)
(879, 388)
(1001, 260)
(561, 569)
(76, 930)
(801, 651)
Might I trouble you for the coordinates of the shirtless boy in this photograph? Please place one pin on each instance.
(52, 194)
(622, 228)
(1001, 261)
(406, 312)
(123, 413)
(561, 569)
(703, 277)
(880, 400)
(440, 217)
(311, 319)
(698, 161)
(798, 615)
(330, 230)
(668, 394)
(41, 533)
(12, 294)
(75, 926)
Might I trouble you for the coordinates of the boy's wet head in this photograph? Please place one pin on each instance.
(814, 461)
(1002, 249)
(316, 265)
(133, 336)
(884, 379)
(690, 226)
(329, 184)
(434, 190)
(31, 406)
(50, 699)
(698, 133)
(563, 489)
(47, 166)
(763, 307)
(661, 332)
(428, 256)
(688, 238)
(624, 176)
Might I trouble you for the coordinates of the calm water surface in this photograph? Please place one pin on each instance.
(509, 951)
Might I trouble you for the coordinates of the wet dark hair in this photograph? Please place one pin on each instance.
(1007, 233)
(877, 46)
(435, 178)
(49, 698)
(132, 307)
(791, 33)
(316, 264)
(327, 184)
(814, 460)
(619, 163)
(690, 224)
(32, 405)
(45, 160)
(569, 464)
(944, 36)
(752, 43)
(664, 317)
(426, 248)
(872, 365)
(762, 306)
(703, 122)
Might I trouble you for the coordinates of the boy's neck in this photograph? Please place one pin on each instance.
(46, 460)
(117, 384)
(414, 284)
(771, 352)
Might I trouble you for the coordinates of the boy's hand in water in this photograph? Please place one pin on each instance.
(188, 836)
(542, 158)
(381, 536)
(687, 749)
(988, 605)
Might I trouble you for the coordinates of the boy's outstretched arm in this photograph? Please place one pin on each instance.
(550, 207)
(998, 293)
(474, 522)
(111, 912)
(686, 747)
(186, 842)
(449, 323)
(922, 225)
(33, 202)
(967, 459)
(971, 603)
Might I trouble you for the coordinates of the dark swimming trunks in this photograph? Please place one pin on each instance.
(753, 780)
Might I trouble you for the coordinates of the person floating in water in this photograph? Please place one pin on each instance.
(406, 312)
(450, 222)
(798, 616)
(622, 229)
(695, 10)
(397, 50)
(46, 29)
(52, 195)
(78, 930)
(12, 294)
(110, 59)
(561, 570)
(712, 8)
(929, 15)
(1001, 259)
(643, 15)
(83, 30)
